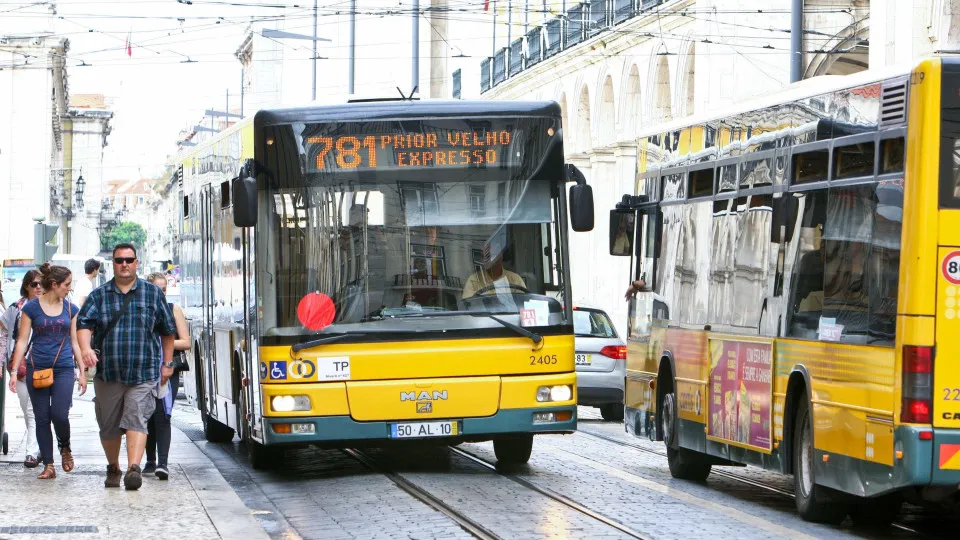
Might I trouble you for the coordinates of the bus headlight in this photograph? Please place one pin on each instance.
(554, 393)
(290, 403)
(561, 393)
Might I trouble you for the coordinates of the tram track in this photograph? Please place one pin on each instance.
(466, 523)
(415, 491)
(721, 473)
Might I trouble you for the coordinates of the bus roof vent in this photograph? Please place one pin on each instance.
(893, 103)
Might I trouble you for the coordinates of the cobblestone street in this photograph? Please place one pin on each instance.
(598, 483)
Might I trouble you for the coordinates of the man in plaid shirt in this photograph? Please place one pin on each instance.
(130, 357)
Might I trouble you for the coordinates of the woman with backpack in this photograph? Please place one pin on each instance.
(54, 353)
(9, 324)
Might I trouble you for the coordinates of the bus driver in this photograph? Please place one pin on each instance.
(492, 277)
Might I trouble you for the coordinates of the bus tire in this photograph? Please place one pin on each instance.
(513, 449)
(215, 431)
(876, 512)
(612, 412)
(684, 464)
(262, 457)
(814, 502)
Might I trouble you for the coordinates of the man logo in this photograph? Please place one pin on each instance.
(424, 396)
(302, 369)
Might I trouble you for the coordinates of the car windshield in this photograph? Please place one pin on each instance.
(592, 324)
(397, 250)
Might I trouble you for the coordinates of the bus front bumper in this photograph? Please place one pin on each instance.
(331, 429)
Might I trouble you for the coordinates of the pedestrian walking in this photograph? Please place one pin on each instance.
(9, 324)
(126, 326)
(86, 284)
(54, 352)
(158, 428)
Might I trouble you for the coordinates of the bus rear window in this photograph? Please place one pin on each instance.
(950, 138)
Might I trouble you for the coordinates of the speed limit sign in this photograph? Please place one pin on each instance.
(951, 267)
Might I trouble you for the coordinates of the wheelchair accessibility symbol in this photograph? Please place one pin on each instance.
(302, 369)
(278, 370)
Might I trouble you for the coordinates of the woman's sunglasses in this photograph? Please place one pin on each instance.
(36, 284)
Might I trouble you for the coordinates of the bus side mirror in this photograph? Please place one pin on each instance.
(581, 200)
(244, 190)
(622, 230)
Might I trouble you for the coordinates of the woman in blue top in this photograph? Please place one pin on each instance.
(53, 321)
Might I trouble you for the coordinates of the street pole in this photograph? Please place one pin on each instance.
(242, 74)
(796, 41)
(353, 40)
(415, 75)
(314, 60)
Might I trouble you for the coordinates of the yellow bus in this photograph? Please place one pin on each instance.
(801, 272)
(382, 271)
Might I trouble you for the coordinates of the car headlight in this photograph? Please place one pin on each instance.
(290, 403)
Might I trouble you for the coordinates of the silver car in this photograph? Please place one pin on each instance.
(601, 358)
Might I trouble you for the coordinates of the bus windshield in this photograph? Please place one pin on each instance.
(397, 249)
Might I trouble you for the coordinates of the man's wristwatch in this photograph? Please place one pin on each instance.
(168, 364)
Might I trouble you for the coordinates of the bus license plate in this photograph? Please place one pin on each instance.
(410, 430)
(583, 359)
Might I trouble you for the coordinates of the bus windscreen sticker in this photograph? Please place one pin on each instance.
(316, 311)
(741, 382)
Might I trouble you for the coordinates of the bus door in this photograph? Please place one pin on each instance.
(208, 246)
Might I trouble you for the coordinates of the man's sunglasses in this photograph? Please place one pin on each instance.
(124, 260)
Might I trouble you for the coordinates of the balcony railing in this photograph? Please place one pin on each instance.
(582, 21)
(516, 56)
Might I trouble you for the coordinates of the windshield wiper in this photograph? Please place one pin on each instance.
(534, 337)
(337, 337)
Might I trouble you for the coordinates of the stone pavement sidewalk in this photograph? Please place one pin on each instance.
(196, 502)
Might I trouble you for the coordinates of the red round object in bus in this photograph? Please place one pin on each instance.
(316, 311)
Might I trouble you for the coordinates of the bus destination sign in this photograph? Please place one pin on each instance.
(406, 150)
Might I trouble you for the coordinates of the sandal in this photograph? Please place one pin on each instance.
(66, 460)
(30, 462)
(49, 473)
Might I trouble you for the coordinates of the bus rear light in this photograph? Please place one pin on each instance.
(915, 411)
(917, 359)
(916, 406)
(617, 352)
(925, 435)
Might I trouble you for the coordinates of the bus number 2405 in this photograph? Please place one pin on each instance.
(546, 359)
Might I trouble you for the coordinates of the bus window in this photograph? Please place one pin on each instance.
(847, 237)
(892, 152)
(885, 262)
(853, 160)
(810, 166)
(807, 289)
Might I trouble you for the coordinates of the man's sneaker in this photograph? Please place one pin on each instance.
(149, 468)
(133, 480)
(113, 476)
(161, 472)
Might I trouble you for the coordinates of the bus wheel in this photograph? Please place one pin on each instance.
(878, 512)
(215, 431)
(813, 502)
(612, 412)
(262, 457)
(513, 449)
(684, 464)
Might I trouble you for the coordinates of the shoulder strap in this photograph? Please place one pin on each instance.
(127, 298)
